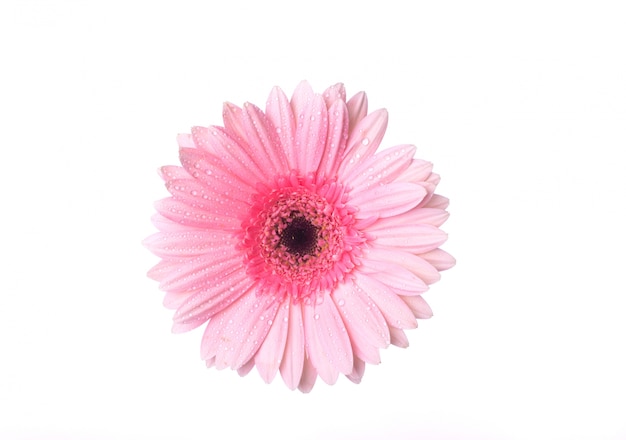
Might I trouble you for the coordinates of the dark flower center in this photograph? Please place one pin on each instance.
(299, 237)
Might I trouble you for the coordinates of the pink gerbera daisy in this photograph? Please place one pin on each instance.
(303, 249)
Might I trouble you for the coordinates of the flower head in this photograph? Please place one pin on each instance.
(303, 249)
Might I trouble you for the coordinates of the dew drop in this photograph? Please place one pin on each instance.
(341, 302)
(316, 316)
(365, 141)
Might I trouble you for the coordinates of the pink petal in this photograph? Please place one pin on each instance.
(184, 214)
(301, 98)
(164, 224)
(187, 243)
(197, 194)
(279, 111)
(394, 310)
(420, 267)
(414, 216)
(334, 93)
(191, 274)
(398, 337)
(396, 277)
(309, 375)
(234, 335)
(365, 323)
(270, 355)
(358, 371)
(335, 139)
(357, 109)
(210, 170)
(383, 167)
(328, 343)
(418, 306)
(293, 357)
(364, 140)
(411, 238)
(201, 306)
(185, 140)
(171, 172)
(439, 258)
(237, 159)
(387, 200)
(418, 171)
(246, 368)
(233, 122)
(311, 131)
(262, 136)
(437, 202)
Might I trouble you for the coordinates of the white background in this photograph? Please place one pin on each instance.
(520, 105)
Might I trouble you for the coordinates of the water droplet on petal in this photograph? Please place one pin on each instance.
(316, 316)
(365, 141)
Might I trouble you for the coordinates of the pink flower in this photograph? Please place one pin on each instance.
(304, 250)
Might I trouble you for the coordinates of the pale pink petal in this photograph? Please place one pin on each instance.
(171, 172)
(270, 355)
(358, 371)
(246, 368)
(398, 337)
(191, 274)
(418, 306)
(416, 264)
(293, 357)
(365, 323)
(205, 218)
(237, 159)
(394, 310)
(234, 335)
(411, 238)
(188, 243)
(185, 140)
(437, 202)
(439, 258)
(414, 216)
(387, 200)
(336, 139)
(396, 277)
(311, 131)
(364, 139)
(209, 170)
(279, 111)
(418, 171)
(164, 224)
(233, 122)
(261, 134)
(357, 109)
(203, 305)
(301, 98)
(383, 167)
(328, 343)
(309, 376)
(334, 93)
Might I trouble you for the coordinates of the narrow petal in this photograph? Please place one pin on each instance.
(358, 371)
(382, 167)
(261, 135)
(192, 274)
(309, 376)
(164, 224)
(394, 310)
(439, 258)
(234, 335)
(335, 140)
(279, 111)
(398, 337)
(418, 306)
(396, 277)
(184, 214)
(416, 264)
(270, 355)
(364, 140)
(293, 357)
(187, 243)
(203, 305)
(334, 93)
(233, 122)
(387, 200)
(411, 238)
(246, 368)
(328, 345)
(171, 172)
(311, 131)
(236, 158)
(437, 202)
(365, 323)
(417, 171)
(185, 140)
(357, 109)
(209, 169)
(301, 98)
(195, 193)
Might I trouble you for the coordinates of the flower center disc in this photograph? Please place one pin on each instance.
(300, 238)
